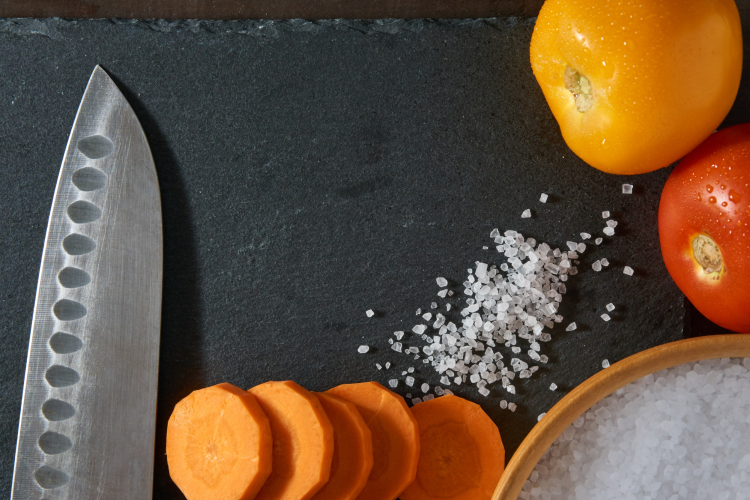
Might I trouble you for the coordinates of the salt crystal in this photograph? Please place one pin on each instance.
(553, 387)
(410, 381)
(512, 406)
(379, 366)
(606, 317)
(370, 313)
(571, 327)
(543, 198)
(628, 270)
(428, 397)
(410, 369)
(605, 214)
(442, 293)
(433, 305)
(572, 245)
(604, 262)
(503, 404)
(610, 307)
(526, 214)
(393, 382)
(596, 266)
(627, 189)
(540, 417)
(605, 364)
(442, 282)
(585, 236)
(425, 388)
(581, 247)
(484, 391)
(387, 365)
(598, 241)
(419, 311)
(363, 349)
(399, 335)
(416, 401)
(426, 317)
(543, 358)
(609, 231)
(419, 329)
(396, 346)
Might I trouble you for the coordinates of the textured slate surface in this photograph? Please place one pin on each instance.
(311, 171)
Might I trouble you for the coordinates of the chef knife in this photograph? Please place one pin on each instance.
(89, 402)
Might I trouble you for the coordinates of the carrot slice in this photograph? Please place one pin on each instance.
(219, 444)
(352, 450)
(302, 441)
(395, 438)
(462, 455)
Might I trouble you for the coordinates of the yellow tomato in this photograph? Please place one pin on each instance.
(637, 84)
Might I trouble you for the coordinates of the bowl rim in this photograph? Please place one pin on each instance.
(601, 385)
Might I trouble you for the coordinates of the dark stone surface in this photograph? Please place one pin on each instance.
(312, 171)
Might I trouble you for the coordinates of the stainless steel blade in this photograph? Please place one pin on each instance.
(89, 403)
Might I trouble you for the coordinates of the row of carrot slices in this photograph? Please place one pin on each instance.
(279, 441)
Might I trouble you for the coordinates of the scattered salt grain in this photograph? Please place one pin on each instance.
(410, 369)
(540, 417)
(609, 231)
(428, 397)
(393, 382)
(526, 214)
(627, 189)
(425, 388)
(370, 313)
(610, 307)
(433, 305)
(387, 365)
(605, 364)
(419, 311)
(503, 404)
(419, 329)
(379, 366)
(581, 247)
(399, 335)
(543, 198)
(416, 401)
(410, 381)
(606, 317)
(427, 317)
(512, 406)
(442, 282)
(596, 266)
(628, 270)
(484, 391)
(605, 214)
(598, 241)
(611, 223)
(553, 387)
(585, 236)
(363, 349)
(447, 392)
(604, 261)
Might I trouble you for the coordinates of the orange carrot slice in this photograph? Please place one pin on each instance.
(462, 456)
(302, 441)
(219, 444)
(395, 438)
(352, 450)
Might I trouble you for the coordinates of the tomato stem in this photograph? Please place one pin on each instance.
(706, 252)
(580, 87)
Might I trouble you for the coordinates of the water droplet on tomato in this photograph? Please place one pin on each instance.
(710, 188)
(712, 199)
(724, 203)
(723, 186)
(734, 196)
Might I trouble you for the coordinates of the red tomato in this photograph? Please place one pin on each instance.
(704, 215)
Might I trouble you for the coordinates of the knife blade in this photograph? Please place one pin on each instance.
(89, 404)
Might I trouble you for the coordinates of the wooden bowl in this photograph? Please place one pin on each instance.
(603, 384)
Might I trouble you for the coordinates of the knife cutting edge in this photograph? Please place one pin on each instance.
(89, 403)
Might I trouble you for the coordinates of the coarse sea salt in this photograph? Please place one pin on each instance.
(627, 189)
(681, 433)
(370, 313)
(363, 349)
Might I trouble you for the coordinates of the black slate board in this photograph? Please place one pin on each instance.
(311, 171)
